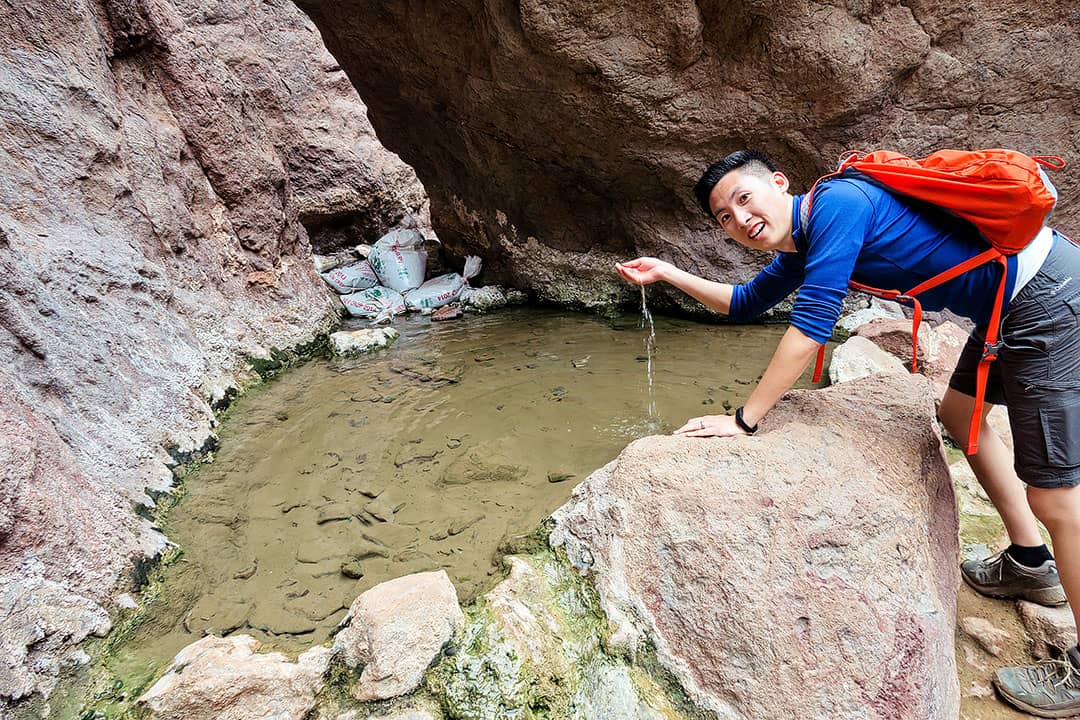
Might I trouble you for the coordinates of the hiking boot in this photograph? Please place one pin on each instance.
(1002, 577)
(1049, 689)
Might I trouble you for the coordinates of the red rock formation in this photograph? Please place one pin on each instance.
(556, 136)
(156, 162)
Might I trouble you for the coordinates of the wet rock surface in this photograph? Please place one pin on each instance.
(357, 342)
(751, 566)
(532, 646)
(571, 132)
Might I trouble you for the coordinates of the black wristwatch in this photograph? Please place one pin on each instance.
(742, 423)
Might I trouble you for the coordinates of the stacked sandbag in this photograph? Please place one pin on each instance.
(391, 280)
(378, 303)
(399, 259)
(350, 278)
(443, 290)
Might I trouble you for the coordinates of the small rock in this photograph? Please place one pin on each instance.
(366, 549)
(397, 628)
(334, 512)
(225, 677)
(459, 526)
(990, 638)
(126, 602)
(380, 510)
(878, 309)
(1052, 629)
(271, 617)
(489, 297)
(351, 569)
(859, 357)
(246, 572)
(358, 342)
(212, 615)
(447, 312)
(559, 477)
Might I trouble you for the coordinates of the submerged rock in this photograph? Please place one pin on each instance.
(395, 630)
(823, 548)
(487, 464)
(225, 679)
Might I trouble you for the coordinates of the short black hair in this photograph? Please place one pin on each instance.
(754, 161)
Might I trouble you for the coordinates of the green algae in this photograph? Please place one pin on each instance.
(544, 658)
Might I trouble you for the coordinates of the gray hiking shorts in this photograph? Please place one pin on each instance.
(1037, 373)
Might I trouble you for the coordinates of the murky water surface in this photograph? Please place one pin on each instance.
(458, 439)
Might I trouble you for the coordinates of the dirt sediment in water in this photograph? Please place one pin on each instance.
(441, 452)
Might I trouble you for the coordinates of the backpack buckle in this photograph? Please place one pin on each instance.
(990, 350)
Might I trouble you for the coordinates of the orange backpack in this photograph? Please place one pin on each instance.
(1002, 193)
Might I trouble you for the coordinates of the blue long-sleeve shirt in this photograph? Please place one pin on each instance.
(858, 231)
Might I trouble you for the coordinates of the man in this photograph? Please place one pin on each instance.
(859, 231)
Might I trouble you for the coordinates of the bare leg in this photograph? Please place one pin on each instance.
(993, 467)
(1059, 510)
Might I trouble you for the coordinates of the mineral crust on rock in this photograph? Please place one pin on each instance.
(809, 571)
(532, 647)
(358, 342)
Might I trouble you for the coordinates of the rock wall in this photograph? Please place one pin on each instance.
(557, 136)
(157, 163)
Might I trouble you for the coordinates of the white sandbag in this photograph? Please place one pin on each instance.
(472, 268)
(435, 293)
(379, 303)
(349, 279)
(399, 259)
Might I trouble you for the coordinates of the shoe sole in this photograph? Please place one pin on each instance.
(1049, 597)
(1031, 709)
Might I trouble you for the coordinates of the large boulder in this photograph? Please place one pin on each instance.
(569, 132)
(809, 571)
(226, 679)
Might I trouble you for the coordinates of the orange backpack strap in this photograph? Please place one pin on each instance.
(991, 345)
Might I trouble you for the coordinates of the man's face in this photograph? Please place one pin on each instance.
(754, 210)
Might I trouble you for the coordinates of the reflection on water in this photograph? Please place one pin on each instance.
(345, 473)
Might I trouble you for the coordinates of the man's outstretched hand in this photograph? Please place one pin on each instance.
(643, 270)
(710, 426)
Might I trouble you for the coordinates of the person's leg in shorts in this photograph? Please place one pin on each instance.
(1039, 376)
